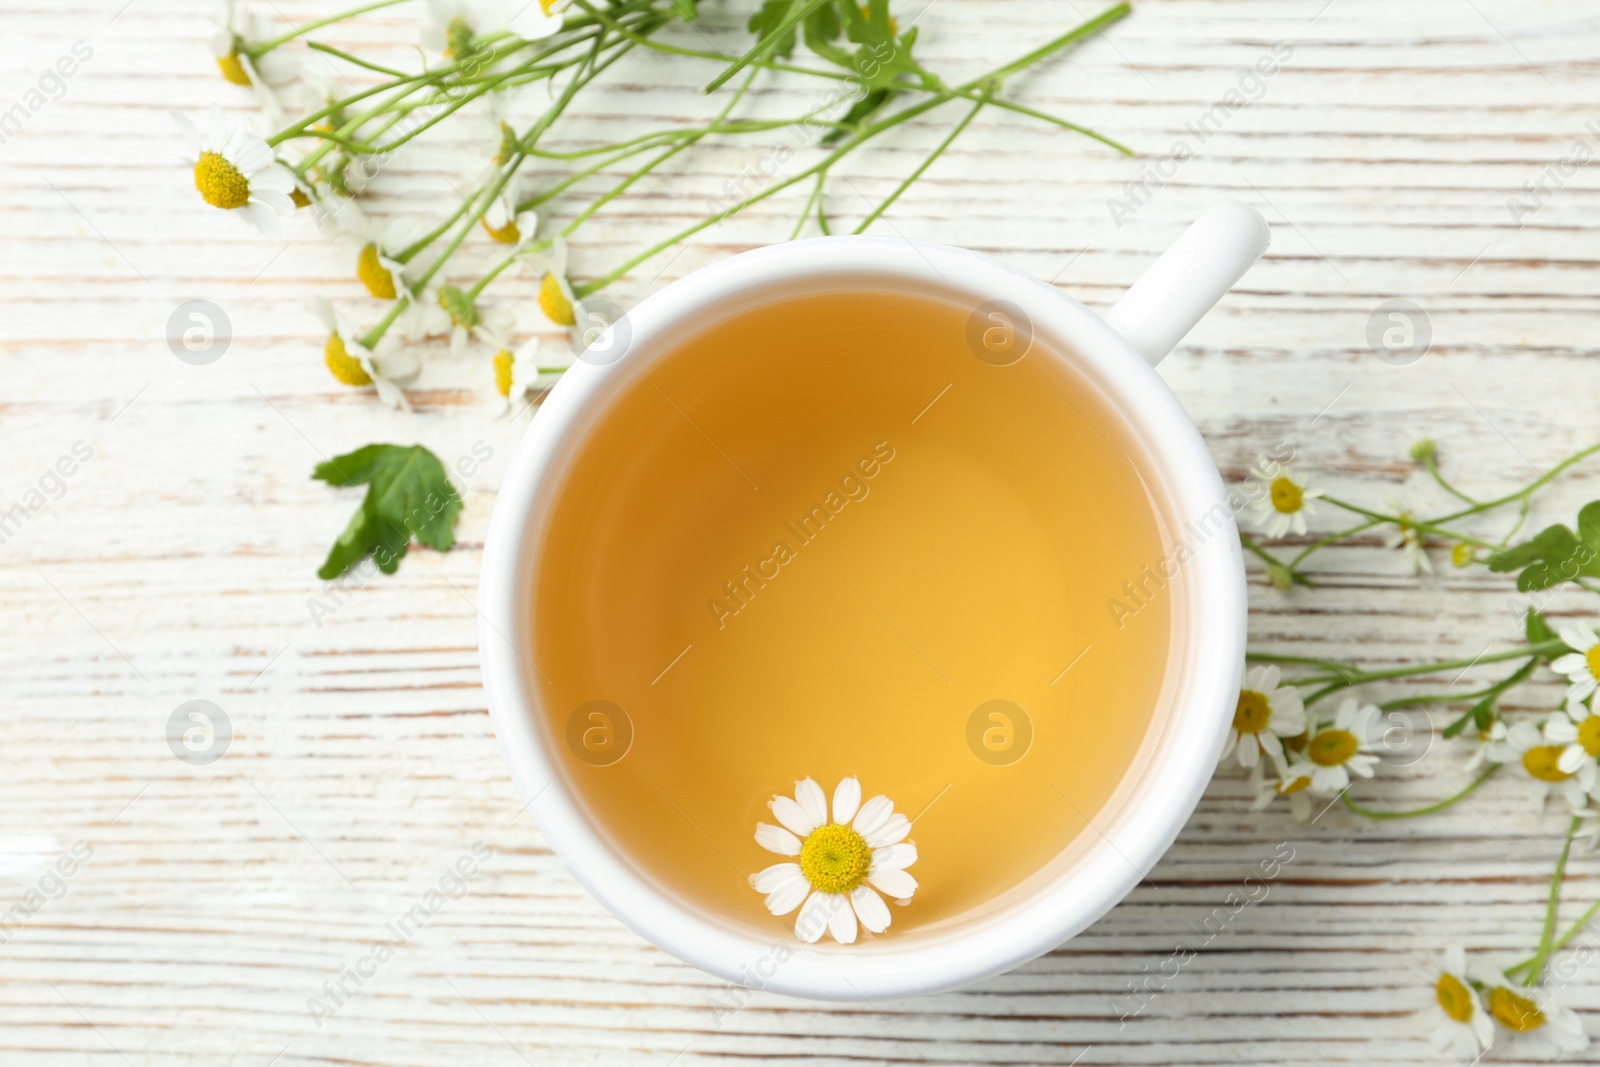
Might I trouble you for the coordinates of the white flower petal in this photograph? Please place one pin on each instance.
(1578, 637)
(1570, 664)
(812, 800)
(779, 874)
(870, 909)
(841, 919)
(846, 801)
(812, 921)
(897, 884)
(895, 829)
(792, 816)
(873, 814)
(777, 839)
(894, 857)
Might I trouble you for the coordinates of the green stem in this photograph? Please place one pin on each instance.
(798, 10)
(1368, 813)
(1433, 469)
(1415, 524)
(1330, 539)
(1546, 937)
(1272, 561)
(922, 168)
(1561, 942)
(318, 46)
(261, 48)
(1538, 483)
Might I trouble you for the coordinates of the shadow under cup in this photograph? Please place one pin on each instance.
(853, 525)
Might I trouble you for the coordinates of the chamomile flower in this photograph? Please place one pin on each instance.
(841, 866)
(266, 75)
(504, 222)
(1283, 503)
(383, 276)
(454, 26)
(538, 19)
(1294, 783)
(472, 321)
(1491, 743)
(1265, 713)
(557, 300)
(1540, 759)
(1578, 730)
(1460, 1027)
(1406, 536)
(1540, 1026)
(520, 372)
(350, 362)
(235, 171)
(1342, 749)
(1582, 664)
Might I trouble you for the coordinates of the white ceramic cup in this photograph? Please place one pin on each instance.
(1141, 820)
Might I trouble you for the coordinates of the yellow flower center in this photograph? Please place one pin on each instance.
(1454, 997)
(502, 372)
(220, 182)
(508, 234)
(1541, 763)
(835, 858)
(460, 35)
(1592, 658)
(1515, 1013)
(1331, 748)
(378, 279)
(1294, 785)
(298, 195)
(1253, 712)
(546, 5)
(233, 68)
(345, 367)
(1287, 497)
(1589, 735)
(1461, 555)
(554, 302)
(508, 145)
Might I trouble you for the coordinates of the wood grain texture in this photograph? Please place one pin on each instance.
(179, 562)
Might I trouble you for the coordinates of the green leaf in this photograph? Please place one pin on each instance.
(408, 495)
(767, 22)
(1538, 629)
(858, 113)
(1555, 554)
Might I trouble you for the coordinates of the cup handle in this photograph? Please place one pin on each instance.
(1190, 277)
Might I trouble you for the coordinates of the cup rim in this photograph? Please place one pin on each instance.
(1139, 833)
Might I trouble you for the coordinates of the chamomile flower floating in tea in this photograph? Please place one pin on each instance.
(1338, 750)
(1577, 729)
(1283, 503)
(1539, 759)
(1582, 664)
(1266, 712)
(840, 863)
(1459, 1024)
(235, 171)
(1540, 1026)
(353, 364)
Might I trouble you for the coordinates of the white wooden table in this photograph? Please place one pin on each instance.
(178, 562)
